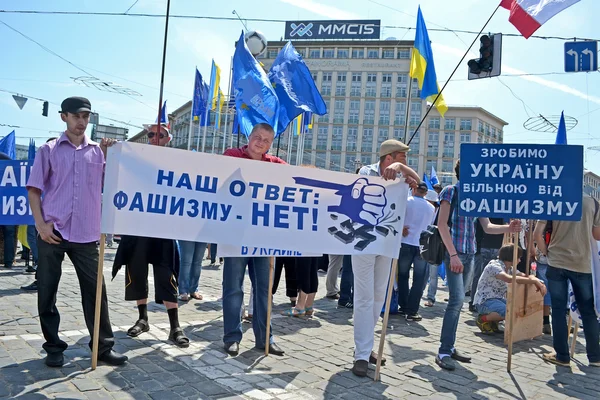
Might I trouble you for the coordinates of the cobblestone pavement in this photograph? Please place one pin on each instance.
(316, 364)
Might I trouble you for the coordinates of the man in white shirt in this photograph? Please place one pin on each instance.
(419, 214)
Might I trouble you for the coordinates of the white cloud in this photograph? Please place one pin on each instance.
(322, 9)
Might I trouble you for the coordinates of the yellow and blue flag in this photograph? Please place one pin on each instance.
(200, 101)
(295, 87)
(255, 98)
(422, 66)
(215, 81)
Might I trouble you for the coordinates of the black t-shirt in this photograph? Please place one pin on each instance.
(4, 156)
(491, 241)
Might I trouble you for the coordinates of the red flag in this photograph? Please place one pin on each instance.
(528, 15)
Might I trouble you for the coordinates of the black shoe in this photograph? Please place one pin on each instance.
(111, 357)
(275, 350)
(334, 296)
(413, 317)
(232, 348)
(468, 294)
(401, 312)
(460, 357)
(293, 303)
(33, 287)
(31, 269)
(55, 360)
(360, 368)
(373, 359)
(346, 305)
(472, 307)
(445, 363)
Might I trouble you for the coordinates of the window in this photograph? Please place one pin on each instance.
(434, 123)
(366, 159)
(326, 84)
(486, 129)
(447, 166)
(367, 140)
(339, 111)
(447, 180)
(401, 85)
(415, 114)
(307, 158)
(272, 54)
(493, 132)
(354, 112)
(382, 136)
(340, 87)
(433, 145)
(415, 89)
(351, 139)
(358, 53)
(371, 78)
(373, 53)
(480, 138)
(314, 76)
(371, 89)
(327, 53)
(449, 144)
(315, 53)
(465, 124)
(480, 127)
(400, 114)
(356, 85)
(336, 139)
(369, 114)
(429, 164)
(399, 134)
(351, 163)
(404, 53)
(416, 141)
(335, 159)
(413, 162)
(302, 53)
(386, 85)
(465, 138)
(388, 53)
(450, 124)
(342, 53)
(320, 159)
(322, 137)
(327, 76)
(384, 112)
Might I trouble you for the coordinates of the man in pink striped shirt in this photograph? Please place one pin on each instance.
(68, 173)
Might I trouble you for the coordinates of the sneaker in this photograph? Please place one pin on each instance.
(551, 358)
(498, 327)
(446, 363)
(346, 305)
(31, 269)
(413, 317)
(32, 287)
(485, 327)
(547, 329)
(472, 307)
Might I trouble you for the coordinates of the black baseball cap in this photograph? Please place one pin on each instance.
(422, 186)
(75, 105)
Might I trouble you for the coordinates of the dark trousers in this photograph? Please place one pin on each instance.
(213, 253)
(347, 282)
(9, 244)
(307, 274)
(84, 257)
(291, 284)
(408, 299)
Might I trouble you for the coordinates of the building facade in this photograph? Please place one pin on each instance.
(591, 184)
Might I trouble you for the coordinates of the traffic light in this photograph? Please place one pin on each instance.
(45, 109)
(490, 58)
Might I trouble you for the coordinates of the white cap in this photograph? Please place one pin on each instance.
(152, 128)
(431, 196)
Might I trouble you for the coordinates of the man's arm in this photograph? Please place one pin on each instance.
(493, 229)
(596, 232)
(45, 229)
(524, 280)
(538, 237)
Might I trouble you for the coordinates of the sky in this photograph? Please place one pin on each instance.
(127, 51)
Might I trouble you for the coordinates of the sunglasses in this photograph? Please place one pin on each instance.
(151, 135)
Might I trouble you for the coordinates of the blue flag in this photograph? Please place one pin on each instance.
(163, 115)
(8, 145)
(255, 98)
(295, 87)
(427, 181)
(31, 150)
(561, 135)
(434, 179)
(199, 101)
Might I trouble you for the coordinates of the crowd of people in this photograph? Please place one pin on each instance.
(65, 193)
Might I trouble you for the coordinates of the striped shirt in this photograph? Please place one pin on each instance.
(463, 228)
(70, 179)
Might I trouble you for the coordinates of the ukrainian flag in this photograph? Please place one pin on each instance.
(215, 81)
(422, 67)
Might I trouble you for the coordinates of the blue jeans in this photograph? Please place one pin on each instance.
(408, 300)
(481, 261)
(489, 306)
(347, 282)
(9, 244)
(542, 270)
(213, 253)
(558, 286)
(32, 241)
(456, 289)
(433, 282)
(190, 269)
(234, 270)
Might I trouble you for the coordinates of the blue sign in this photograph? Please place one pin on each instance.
(528, 181)
(353, 29)
(14, 203)
(581, 56)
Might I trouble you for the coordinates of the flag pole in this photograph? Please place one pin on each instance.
(206, 121)
(164, 59)
(452, 74)
(408, 96)
(227, 102)
(189, 142)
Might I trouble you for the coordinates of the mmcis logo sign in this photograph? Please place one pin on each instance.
(355, 29)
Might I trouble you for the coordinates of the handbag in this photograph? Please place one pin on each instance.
(432, 247)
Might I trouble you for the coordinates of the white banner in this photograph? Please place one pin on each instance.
(227, 250)
(170, 193)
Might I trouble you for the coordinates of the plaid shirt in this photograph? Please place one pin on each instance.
(463, 228)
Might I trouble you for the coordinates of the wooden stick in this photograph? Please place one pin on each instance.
(386, 316)
(574, 341)
(569, 323)
(527, 260)
(99, 280)
(269, 306)
(513, 295)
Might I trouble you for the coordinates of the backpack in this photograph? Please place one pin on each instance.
(431, 245)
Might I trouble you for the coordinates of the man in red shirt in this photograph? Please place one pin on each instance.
(260, 140)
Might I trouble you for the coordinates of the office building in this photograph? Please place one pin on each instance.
(591, 184)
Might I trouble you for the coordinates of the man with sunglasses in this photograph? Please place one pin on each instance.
(136, 253)
(68, 172)
(259, 142)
